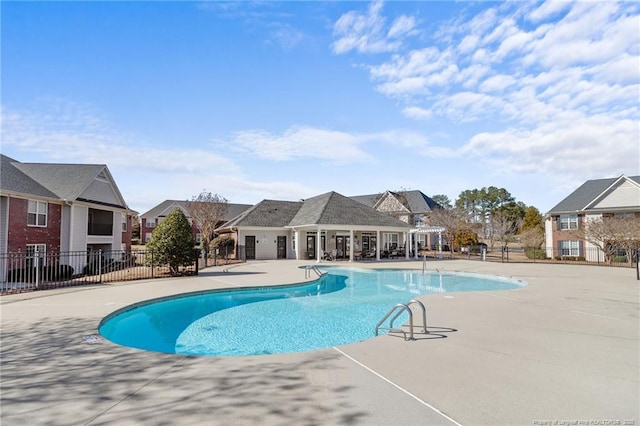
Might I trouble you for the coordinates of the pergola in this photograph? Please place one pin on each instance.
(427, 230)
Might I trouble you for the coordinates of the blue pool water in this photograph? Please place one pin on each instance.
(343, 307)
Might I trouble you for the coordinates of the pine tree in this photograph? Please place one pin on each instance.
(172, 243)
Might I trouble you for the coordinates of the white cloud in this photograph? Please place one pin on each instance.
(548, 9)
(563, 79)
(365, 32)
(301, 142)
(403, 25)
(597, 146)
(497, 83)
(64, 131)
(417, 113)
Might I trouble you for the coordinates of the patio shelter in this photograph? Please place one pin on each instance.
(339, 217)
(307, 229)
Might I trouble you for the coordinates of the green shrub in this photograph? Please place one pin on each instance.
(225, 243)
(172, 243)
(535, 253)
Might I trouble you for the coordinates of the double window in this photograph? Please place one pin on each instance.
(37, 213)
(568, 222)
(570, 248)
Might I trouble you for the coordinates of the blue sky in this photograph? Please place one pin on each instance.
(287, 100)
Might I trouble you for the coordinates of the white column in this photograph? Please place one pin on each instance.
(352, 245)
(296, 246)
(439, 244)
(407, 245)
(415, 245)
(319, 246)
(378, 242)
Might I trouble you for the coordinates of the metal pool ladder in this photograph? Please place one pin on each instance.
(398, 310)
(311, 268)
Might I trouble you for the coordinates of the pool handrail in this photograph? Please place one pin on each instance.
(398, 309)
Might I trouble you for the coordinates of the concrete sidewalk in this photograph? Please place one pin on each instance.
(565, 348)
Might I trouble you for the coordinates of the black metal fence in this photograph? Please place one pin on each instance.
(585, 256)
(20, 271)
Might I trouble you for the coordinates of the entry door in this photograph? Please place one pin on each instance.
(250, 247)
(342, 247)
(311, 246)
(282, 247)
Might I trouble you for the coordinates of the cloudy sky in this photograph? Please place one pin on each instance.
(287, 100)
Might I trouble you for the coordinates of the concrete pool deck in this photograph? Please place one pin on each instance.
(565, 349)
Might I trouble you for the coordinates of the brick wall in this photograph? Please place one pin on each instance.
(19, 234)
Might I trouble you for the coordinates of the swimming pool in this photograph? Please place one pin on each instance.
(343, 307)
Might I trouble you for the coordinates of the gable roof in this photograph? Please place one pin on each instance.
(266, 214)
(59, 181)
(325, 209)
(165, 207)
(586, 193)
(336, 209)
(13, 180)
(415, 201)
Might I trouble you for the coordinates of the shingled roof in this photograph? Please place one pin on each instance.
(165, 207)
(326, 209)
(336, 209)
(579, 199)
(267, 213)
(59, 181)
(415, 201)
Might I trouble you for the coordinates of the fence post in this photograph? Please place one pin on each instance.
(100, 266)
(152, 264)
(36, 262)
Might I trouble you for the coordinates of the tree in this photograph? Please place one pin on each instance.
(224, 242)
(207, 211)
(611, 234)
(465, 237)
(505, 223)
(135, 228)
(452, 221)
(443, 200)
(532, 220)
(172, 243)
(481, 204)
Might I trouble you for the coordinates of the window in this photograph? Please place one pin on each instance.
(570, 248)
(198, 238)
(568, 222)
(37, 213)
(32, 249)
(390, 241)
(418, 220)
(124, 223)
(150, 224)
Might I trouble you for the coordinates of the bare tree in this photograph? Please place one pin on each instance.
(611, 234)
(452, 220)
(207, 210)
(504, 227)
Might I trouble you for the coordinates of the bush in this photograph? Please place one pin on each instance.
(619, 259)
(535, 253)
(223, 242)
(45, 273)
(571, 258)
(172, 243)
